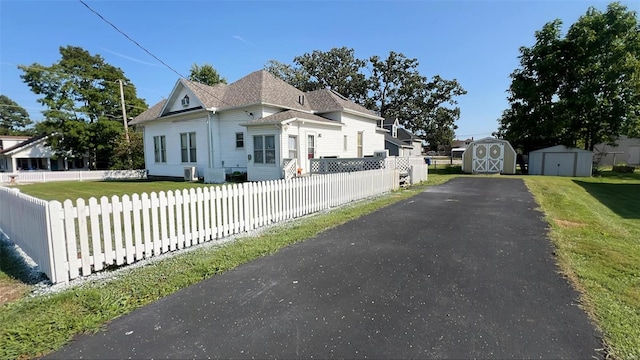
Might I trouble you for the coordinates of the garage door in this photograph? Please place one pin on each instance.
(634, 155)
(558, 164)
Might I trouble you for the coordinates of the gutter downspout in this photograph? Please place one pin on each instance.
(210, 137)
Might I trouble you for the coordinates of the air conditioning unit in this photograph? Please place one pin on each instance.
(381, 153)
(191, 173)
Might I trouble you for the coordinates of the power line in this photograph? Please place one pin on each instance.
(130, 39)
(150, 53)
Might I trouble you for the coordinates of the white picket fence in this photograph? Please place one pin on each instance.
(24, 220)
(73, 239)
(47, 176)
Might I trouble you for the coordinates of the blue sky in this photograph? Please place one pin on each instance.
(475, 42)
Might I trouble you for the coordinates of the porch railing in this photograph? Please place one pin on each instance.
(289, 168)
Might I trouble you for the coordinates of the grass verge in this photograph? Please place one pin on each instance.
(39, 325)
(595, 227)
(64, 190)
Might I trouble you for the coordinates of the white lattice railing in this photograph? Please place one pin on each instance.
(330, 166)
(289, 168)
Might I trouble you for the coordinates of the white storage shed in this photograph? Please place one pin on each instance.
(560, 160)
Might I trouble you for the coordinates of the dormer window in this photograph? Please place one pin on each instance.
(185, 101)
(394, 131)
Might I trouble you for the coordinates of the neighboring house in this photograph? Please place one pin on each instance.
(21, 153)
(254, 125)
(627, 151)
(458, 147)
(400, 141)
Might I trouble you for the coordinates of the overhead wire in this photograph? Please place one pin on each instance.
(151, 54)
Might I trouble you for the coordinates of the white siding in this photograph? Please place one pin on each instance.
(39, 150)
(235, 159)
(258, 172)
(172, 130)
(176, 104)
(328, 141)
(372, 140)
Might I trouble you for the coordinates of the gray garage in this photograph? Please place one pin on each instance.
(560, 160)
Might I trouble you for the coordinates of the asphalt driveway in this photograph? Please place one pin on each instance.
(463, 270)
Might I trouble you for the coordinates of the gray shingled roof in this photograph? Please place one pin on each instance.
(326, 100)
(397, 142)
(149, 114)
(278, 118)
(260, 87)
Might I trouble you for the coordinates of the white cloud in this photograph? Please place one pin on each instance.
(240, 38)
(130, 58)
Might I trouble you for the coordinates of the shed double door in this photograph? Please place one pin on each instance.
(488, 158)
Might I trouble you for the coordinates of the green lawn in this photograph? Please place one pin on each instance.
(595, 225)
(64, 190)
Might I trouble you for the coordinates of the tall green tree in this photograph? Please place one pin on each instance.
(580, 89)
(131, 155)
(394, 89)
(205, 74)
(14, 119)
(425, 107)
(82, 96)
(337, 69)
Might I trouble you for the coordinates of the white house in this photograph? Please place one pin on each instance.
(400, 141)
(256, 125)
(21, 153)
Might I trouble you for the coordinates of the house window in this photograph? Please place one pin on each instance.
(293, 147)
(344, 143)
(264, 149)
(311, 146)
(239, 140)
(188, 147)
(359, 144)
(185, 101)
(160, 149)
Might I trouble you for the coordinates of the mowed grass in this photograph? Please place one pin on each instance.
(64, 190)
(595, 226)
(34, 326)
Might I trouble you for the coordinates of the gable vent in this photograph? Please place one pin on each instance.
(185, 101)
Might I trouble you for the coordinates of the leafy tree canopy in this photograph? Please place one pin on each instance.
(205, 74)
(394, 88)
(13, 118)
(580, 89)
(82, 97)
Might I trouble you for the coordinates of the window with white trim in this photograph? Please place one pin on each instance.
(239, 140)
(160, 149)
(344, 145)
(188, 147)
(264, 149)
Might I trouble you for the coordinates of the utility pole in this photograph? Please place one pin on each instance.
(126, 126)
(124, 114)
